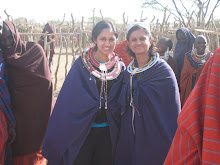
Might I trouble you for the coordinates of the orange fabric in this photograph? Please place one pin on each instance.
(197, 140)
(121, 51)
(30, 159)
(187, 74)
(3, 136)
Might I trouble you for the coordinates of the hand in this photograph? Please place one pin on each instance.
(11, 134)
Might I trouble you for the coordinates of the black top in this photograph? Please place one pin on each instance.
(101, 114)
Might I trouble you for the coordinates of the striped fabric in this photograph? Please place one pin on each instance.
(121, 51)
(5, 103)
(197, 140)
(30, 159)
(3, 137)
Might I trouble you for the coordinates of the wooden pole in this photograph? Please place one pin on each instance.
(45, 44)
(66, 58)
(58, 64)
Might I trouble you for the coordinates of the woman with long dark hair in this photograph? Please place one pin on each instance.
(84, 126)
(149, 103)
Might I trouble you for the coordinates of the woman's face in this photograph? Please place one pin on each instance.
(139, 42)
(180, 37)
(200, 45)
(6, 39)
(106, 41)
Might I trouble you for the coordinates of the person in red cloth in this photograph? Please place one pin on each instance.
(164, 45)
(7, 120)
(49, 30)
(30, 88)
(4, 136)
(121, 51)
(193, 64)
(197, 140)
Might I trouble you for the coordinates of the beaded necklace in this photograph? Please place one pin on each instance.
(97, 63)
(90, 62)
(133, 70)
(201, 59)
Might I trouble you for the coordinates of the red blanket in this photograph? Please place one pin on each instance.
(121, 51)
(197, 140)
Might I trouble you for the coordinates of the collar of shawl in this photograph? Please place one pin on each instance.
(91, 64)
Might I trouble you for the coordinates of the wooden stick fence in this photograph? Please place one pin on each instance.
(79, 40)
(67, 40)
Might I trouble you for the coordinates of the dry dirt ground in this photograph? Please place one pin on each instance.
(61, 70)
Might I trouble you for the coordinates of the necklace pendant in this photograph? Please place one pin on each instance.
(102, 67)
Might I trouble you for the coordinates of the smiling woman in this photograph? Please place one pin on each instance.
(6, 40)
(87, 105)
(148, 123)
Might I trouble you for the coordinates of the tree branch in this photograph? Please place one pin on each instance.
(63, 20)
(185, 8)
(179, 12)
(156, 2)
(153, 19)
(8, 16)
(207, 8)
(73, 22)
(93, 17)
(216, 5)
(101, 13)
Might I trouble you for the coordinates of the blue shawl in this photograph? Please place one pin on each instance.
(5, 101)
(74, 113)
(156, 97)
(182, 48)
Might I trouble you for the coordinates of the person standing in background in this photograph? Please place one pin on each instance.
(193, 64)
(185, 41)
(7, 120)
(48, 30)
(164, 45)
